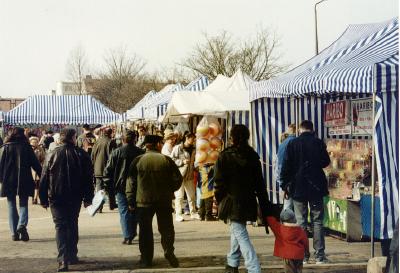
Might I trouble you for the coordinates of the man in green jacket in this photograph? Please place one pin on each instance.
(153, 178)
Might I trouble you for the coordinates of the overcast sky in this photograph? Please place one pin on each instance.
(36, 37)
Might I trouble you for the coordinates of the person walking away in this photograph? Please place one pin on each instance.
(238, 186)
(291, 241)
(115, 175)
(48, 139)
(183, 156)
(206, 181)
(170, 140)
(100, 155)
(66, 181)
(285, 139)
(16, 161)
(40, 155)
(86, 140)
(153, 178)
(304, 180)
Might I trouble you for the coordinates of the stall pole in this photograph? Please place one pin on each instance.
(297, 101)
(373, 174)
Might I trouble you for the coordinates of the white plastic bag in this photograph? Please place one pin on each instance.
(209, 141)
(97, 202)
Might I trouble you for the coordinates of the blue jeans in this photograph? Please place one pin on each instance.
(127, 218)
(14, 219)
(241, 245)
(317, 217)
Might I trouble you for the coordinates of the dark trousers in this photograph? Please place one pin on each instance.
(293, 266)
(205, 210)
(165, 227)
(65, 218)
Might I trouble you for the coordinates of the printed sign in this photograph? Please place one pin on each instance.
(339, 130)
(336, 113)
(335, 216)
(362, 117)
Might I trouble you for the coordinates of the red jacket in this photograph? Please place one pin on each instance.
(291, 242)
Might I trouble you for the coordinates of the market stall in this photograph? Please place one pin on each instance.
(349, 91)
(137, 111)
(59, 111)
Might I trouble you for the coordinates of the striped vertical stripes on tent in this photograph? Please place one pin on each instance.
(73, 110)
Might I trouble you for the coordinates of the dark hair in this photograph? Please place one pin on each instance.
(240, 135)
(307, 125)
(129, 137)
(49, 132)
(86, 126)
(108, 132)
(189, 135)
(17, 135)
(66, 135)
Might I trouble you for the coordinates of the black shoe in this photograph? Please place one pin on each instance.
(127, 241)
(73, 260)
(211, 218)
(62, 267)
(144, 264)
(173, 261)
(23, 233)
(230, 269)
(15, 237)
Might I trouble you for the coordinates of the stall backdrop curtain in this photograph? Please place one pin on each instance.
(73, 110)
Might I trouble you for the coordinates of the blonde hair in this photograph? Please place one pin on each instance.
(284, 136)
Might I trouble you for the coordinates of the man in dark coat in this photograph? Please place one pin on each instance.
(304, 180)
(66, 181)
(16, 161)
(153, 178)
(100, 154)
(238, 186)
(115, 175)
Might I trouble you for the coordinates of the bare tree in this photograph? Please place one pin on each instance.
(257, 56)
(77, 68)
(123, 82)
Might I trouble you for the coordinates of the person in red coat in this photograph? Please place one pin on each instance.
(291, 241)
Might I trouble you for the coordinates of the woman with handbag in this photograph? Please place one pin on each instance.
(238, 186)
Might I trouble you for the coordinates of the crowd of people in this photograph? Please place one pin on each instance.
(144, 173)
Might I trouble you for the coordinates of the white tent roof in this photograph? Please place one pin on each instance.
(136, 112)
(222, 95)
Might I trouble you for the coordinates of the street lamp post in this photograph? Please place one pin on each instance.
(316, 25)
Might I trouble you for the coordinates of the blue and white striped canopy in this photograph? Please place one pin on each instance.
(347, 66)
(1, 115)
(198, 84)
(137, 111)
(73, 110)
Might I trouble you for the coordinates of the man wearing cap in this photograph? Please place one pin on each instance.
(152, 180)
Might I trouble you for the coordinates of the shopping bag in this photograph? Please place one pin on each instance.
(97, 202)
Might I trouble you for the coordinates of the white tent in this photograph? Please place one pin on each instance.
(137, 111)
(223, 95)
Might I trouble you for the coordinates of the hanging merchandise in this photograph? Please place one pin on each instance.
(209, 141)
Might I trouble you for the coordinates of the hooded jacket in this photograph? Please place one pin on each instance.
(238, 175)
(67, 177)
(16, 161)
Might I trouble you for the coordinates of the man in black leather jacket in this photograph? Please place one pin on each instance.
(66, 181)
(238, 185)
(304, 180)
(115, 175)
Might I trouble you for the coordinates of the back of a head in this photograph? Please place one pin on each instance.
(240, 135)
(67, 136)
(108, 132)
(307, 125)
(17, 135)
(86, 127)
(288, 216)
(129, 137)
(291, 129)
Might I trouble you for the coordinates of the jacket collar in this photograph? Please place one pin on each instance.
(307, 134)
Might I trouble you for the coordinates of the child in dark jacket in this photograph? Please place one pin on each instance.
(291, 241)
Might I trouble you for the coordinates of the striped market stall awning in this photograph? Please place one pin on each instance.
(137, 111)
(362, 62)
(68, 109)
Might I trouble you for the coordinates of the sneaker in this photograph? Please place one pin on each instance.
(179, 218)
(62, 267)
(23, 233)
(15, 237)
(322, 260)
(306, 261)
(195, 216)
(144, 264)
(173, 261)
(231, 269)
(74, 260)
